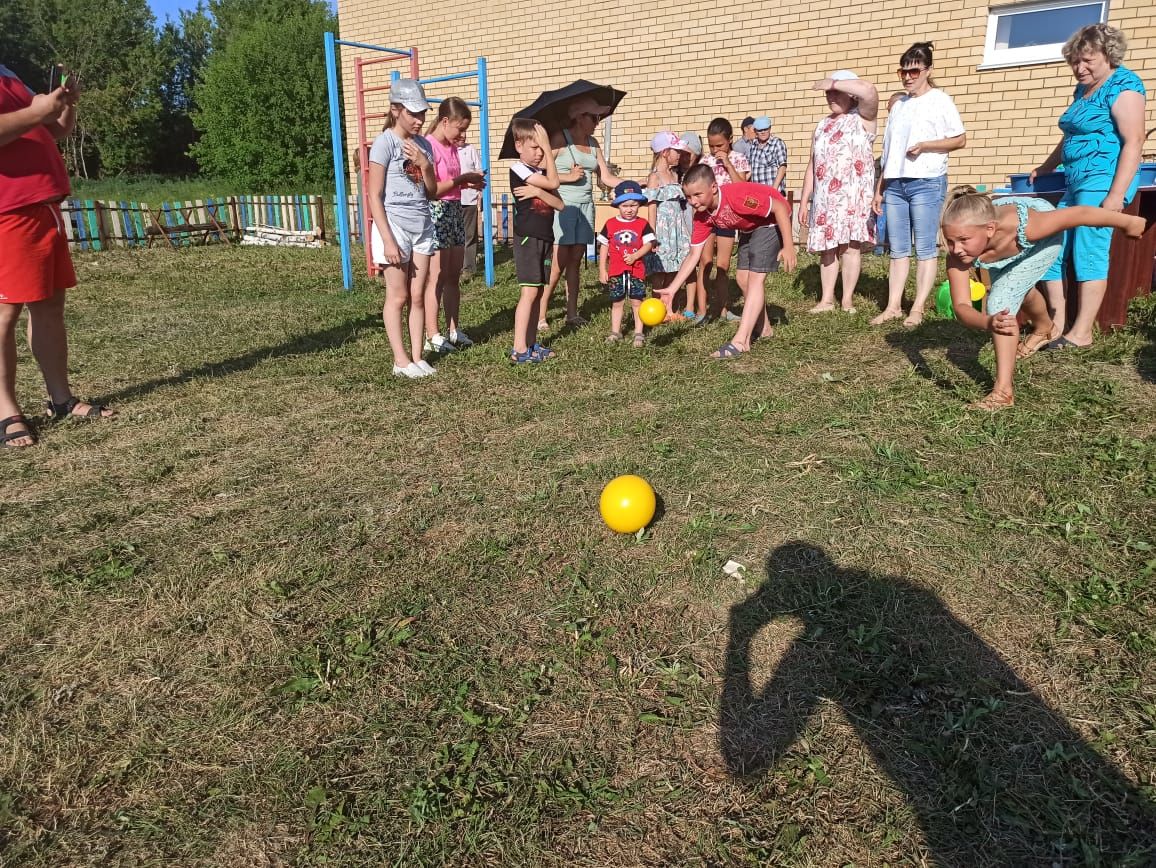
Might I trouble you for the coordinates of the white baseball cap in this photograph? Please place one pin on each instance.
(665, 140)
(843, 75)
(409, 93)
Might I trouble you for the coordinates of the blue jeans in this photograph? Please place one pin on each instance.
(913, 205)
(880, 233)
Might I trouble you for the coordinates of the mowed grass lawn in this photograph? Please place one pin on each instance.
(289, 609)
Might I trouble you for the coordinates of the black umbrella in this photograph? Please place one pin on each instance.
(549, 108)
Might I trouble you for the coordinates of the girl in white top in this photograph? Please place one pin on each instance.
(401, 183)
(922, 129)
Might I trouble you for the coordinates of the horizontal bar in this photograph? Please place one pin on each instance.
(375, 116)
(453, 77)
(401, 52)
(361, 61)
(472, 102)
(376, 88)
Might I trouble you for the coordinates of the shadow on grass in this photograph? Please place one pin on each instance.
(994, 775)
(298, 346)
(807, 281)
(1146, 361)
(961, 352)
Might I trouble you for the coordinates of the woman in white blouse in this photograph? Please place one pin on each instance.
(922, 129)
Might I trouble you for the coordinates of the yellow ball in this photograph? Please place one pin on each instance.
(627, 503)
(652, 312)
(978, 290)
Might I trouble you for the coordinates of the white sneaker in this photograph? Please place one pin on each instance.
(461, 340)
(427, 369)
(412, 371)
(438, 344)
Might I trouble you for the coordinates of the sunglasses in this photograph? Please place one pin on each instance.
(915, 70)
(594, 116)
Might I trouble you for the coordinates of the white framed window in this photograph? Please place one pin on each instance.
(1026, 33)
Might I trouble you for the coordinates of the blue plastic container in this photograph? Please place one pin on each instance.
(1148, 174)
(1053, 183)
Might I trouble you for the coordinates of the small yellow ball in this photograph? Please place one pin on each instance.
(652, 312)
(627, 503)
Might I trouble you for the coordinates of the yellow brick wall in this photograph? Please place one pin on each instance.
(686, 61)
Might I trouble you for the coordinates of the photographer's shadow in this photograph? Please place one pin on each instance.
(995, 776)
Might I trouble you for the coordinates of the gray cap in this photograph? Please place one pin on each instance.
(692, 142)
(410, 94)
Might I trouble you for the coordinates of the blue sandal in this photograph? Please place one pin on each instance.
(1062, 343)
(542, 353)
(728, 351)
(527, 357)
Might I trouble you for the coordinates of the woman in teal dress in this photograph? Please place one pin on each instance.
(578, 157)
(1103, 134)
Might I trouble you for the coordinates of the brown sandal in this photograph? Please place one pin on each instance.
(994, 402)
(7, 438)
(1032, 344)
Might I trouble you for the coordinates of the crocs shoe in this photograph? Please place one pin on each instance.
(438, 344)
(460, 340)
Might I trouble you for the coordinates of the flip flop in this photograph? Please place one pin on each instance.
(1062, 343)
(727, 351)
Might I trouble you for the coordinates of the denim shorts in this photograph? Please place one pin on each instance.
(913, 207)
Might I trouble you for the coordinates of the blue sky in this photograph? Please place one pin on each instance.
(171, 8)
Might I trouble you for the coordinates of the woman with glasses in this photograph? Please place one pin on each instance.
(577, 156)
(922, 129)
(1103, 135)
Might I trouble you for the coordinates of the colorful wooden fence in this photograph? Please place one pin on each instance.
(102, 224)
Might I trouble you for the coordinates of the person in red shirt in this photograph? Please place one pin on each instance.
(36, 267)
(763, 219)
(625, 241)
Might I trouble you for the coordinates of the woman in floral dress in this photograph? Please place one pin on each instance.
(839, 184)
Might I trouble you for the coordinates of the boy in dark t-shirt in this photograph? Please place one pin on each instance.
(533, 180)
(625, 240)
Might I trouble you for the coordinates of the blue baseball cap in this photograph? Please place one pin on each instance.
(628, 191)
(762, 122)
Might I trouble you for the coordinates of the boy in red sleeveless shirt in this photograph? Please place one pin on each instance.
(763, 219)
(36, 267)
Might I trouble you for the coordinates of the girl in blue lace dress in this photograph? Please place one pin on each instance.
(668, 216)
(1016, 239)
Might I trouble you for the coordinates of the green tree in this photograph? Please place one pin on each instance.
(112, 46)
(184, 47)
(262, 105)
(22, 48)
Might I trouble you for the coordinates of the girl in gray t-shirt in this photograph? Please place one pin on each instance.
(401, 183)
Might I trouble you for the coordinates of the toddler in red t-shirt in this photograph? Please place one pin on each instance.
(625, 240)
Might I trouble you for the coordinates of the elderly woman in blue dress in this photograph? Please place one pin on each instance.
(1103, 134)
